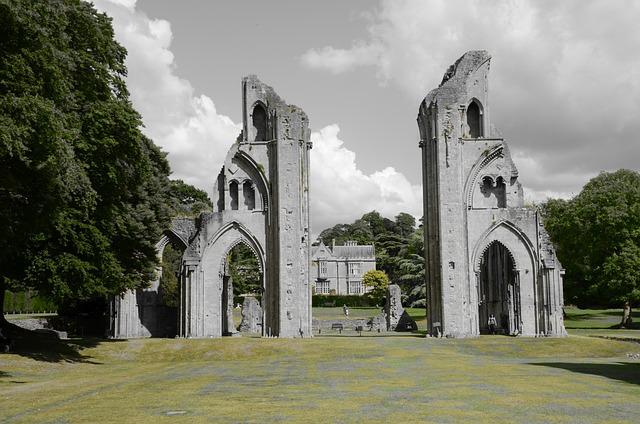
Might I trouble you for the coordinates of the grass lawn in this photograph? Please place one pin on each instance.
(600, 323)
(489, 379)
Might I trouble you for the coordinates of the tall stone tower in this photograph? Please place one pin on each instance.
(261, 199)
(486, 254)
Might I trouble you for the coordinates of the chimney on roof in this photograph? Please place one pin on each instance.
(333, 244)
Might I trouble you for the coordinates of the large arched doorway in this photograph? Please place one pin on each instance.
(242, 278)
(498, 291)
(207, 290)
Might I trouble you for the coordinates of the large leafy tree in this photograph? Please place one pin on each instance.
(597, 234)
(83, 193)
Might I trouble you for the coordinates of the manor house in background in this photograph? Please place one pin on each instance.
(486, 253)
(339, 269)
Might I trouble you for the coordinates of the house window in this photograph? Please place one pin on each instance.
(322, 287)
(323, 267)
(355, 287)
(354, 269)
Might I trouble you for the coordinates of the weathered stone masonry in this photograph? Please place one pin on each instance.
(261, 199)
(485, 252)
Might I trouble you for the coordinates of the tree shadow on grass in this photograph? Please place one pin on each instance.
(48, 348)
(623, 371)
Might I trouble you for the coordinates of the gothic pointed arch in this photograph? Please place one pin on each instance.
(512, 238)
(242, 235)
(259, 120)
(475, 175)
(256, 174)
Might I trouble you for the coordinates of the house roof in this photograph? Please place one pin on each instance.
(343, 252)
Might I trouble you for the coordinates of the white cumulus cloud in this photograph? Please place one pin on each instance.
(341, 193)
(197, 137)
(184, 124)
(565, 77)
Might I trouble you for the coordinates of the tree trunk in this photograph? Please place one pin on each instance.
(626, 316)
(3, 288)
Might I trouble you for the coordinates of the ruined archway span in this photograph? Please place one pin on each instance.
(166, 238)
(240, 240)
(484, 161)
(244, 236)
(486, 239)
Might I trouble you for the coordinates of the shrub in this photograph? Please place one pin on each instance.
(320, 300)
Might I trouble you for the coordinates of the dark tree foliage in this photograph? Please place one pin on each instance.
(597, 236)
(399, 248)
(169, 287)
(244, 270)
(189, 200)
(83, 193)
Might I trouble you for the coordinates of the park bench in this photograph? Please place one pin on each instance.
(337, 326)
(359, 330)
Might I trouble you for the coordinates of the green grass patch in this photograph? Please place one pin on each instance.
(486, 379)
(584, 378)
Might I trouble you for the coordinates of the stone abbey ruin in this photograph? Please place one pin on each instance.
(486, 254)
(261, 200)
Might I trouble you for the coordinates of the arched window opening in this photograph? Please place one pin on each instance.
(498, 292)
(259, 120)
(474, 120)
(220, 202)
(501, 192)
(233, 193)
(249, 195)
(494, 194)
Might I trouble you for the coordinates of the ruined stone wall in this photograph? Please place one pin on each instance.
(140, 313)
(472, 197)
(261, 199)
(271, 153)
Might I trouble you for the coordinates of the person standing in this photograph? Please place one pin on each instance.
(492, 324)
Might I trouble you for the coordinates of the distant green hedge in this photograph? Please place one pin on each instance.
(320, 300)
(27, 303)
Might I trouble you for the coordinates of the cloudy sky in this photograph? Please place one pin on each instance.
(565, 86)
